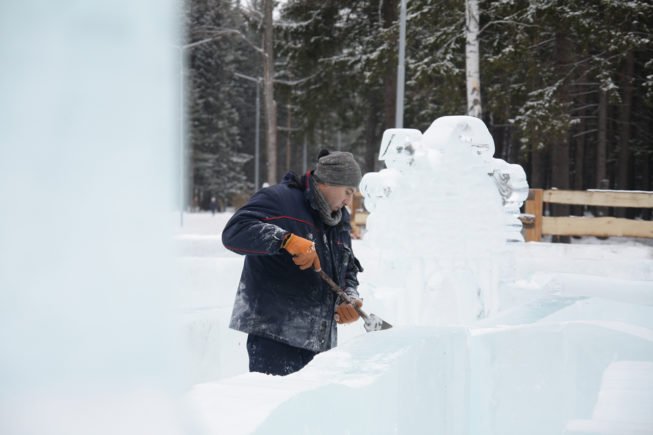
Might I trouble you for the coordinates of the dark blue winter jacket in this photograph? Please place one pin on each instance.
(275, 298)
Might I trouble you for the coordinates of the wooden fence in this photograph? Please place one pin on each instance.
(536, 224)
(358, 215)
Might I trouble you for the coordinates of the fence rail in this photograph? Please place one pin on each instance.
(536, 224)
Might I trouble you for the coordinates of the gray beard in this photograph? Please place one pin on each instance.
(319, 203)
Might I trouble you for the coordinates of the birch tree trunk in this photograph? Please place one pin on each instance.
(268, 92)
(472, 59)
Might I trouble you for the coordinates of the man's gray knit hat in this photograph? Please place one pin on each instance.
(339, 168)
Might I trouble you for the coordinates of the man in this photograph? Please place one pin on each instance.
(288, 232)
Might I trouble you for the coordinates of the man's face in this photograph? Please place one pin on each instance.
(337, 196)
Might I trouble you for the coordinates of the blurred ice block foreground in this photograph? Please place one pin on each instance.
(479, 346)
(88, 139)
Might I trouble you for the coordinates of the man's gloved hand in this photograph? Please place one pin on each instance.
(303, 252)
(346, 313)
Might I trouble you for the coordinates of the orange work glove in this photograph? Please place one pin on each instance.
(303, 252)
(346, 313)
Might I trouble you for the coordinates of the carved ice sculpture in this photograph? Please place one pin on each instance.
(400, 146)
(448, 206)
(510, 180)
(398, 152)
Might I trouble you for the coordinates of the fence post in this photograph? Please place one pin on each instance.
(533, 206)
(356, 207)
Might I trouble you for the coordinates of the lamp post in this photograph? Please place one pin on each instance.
(399, 111)
(257, 139)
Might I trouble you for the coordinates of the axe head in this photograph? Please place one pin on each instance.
(375, 323)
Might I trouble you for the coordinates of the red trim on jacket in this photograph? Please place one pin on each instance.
(249, 251)
(289, 217)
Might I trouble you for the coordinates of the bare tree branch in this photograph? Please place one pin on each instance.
(212, 32)
(295, 82)
(249, 11)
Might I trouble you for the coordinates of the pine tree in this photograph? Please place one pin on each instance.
(353, 45)
(553, 70)
(217, 160)
(567, 84)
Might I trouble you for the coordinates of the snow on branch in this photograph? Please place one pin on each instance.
(212, 32)
(295, 82)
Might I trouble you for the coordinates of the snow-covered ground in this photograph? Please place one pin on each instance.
(570, 350)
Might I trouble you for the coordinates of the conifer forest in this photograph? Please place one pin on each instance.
(566, 86)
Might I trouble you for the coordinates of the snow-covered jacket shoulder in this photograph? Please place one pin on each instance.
(275, 298)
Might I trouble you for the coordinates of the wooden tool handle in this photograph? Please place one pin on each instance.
(340, 292)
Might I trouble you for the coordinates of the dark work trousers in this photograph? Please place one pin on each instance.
(275, 358)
